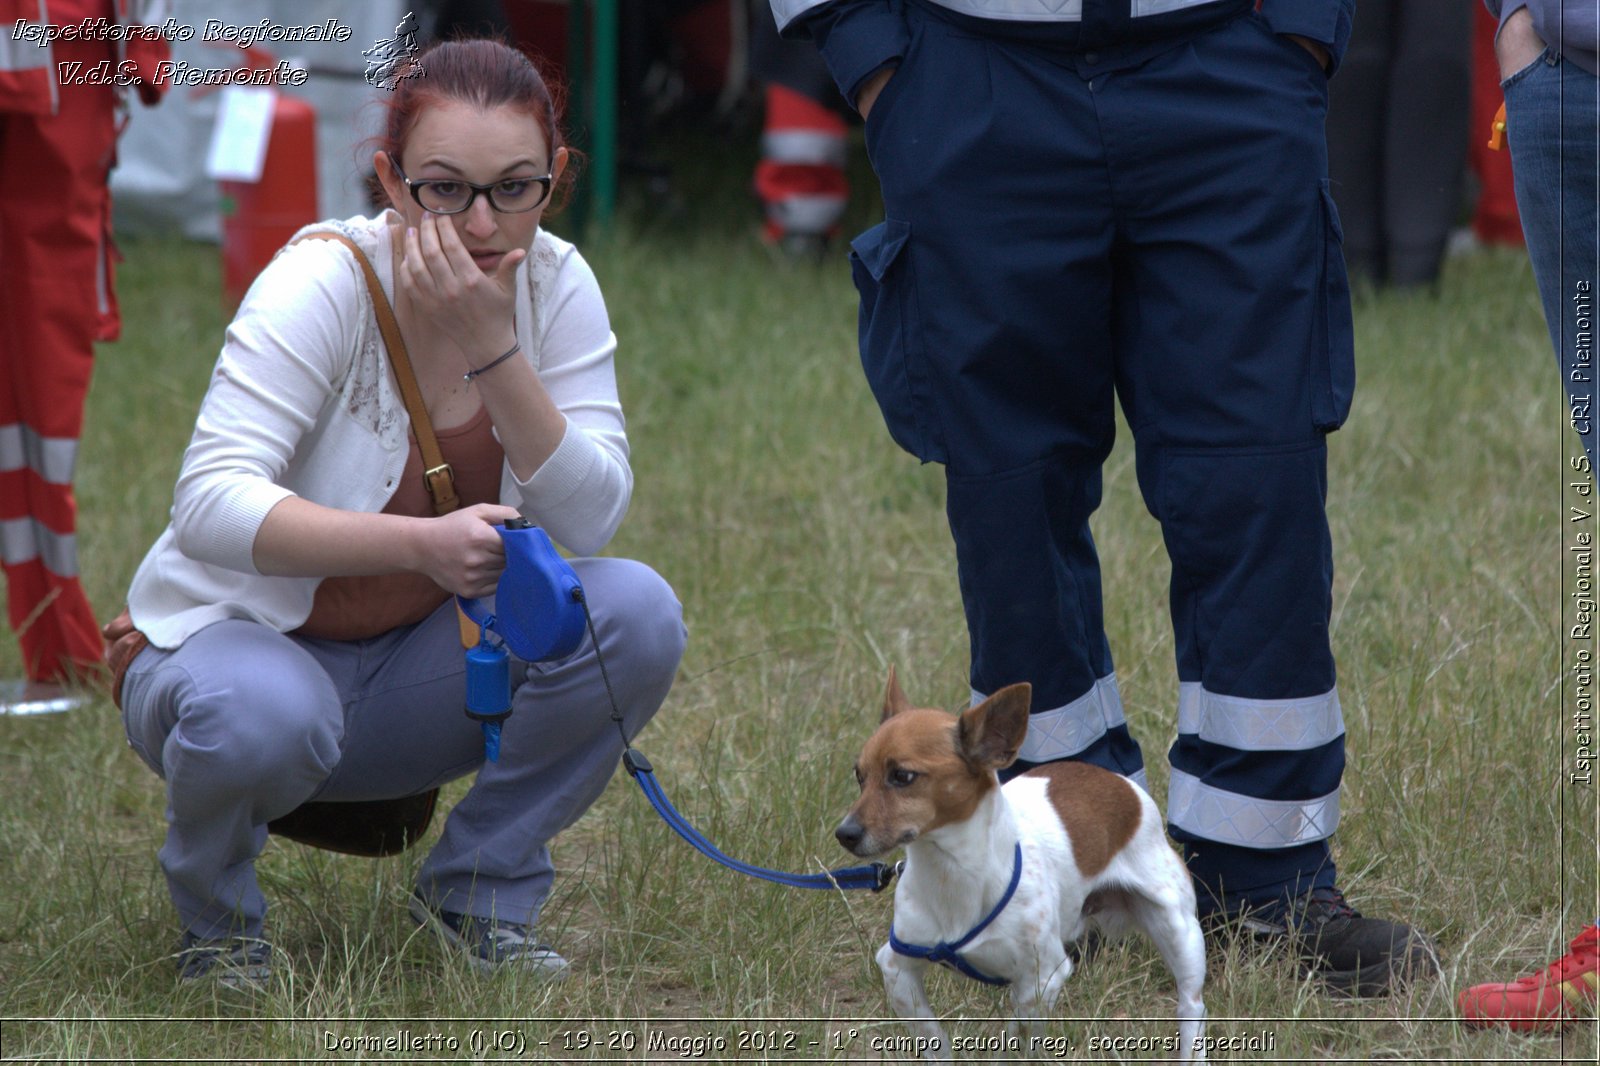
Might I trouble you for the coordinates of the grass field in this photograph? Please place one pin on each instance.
(810, 554)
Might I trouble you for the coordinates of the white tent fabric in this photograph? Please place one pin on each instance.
(160, 183)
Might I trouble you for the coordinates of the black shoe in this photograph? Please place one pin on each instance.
(1086, 947)
(1351, 955)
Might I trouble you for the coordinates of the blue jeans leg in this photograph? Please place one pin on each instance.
(1551, 120)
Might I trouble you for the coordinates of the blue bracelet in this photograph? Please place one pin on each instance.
(469, 375)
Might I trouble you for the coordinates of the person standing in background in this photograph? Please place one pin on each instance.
(1397, 137)
(1549, 53)
(58, 137)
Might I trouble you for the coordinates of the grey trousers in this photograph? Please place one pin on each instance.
(245, 724)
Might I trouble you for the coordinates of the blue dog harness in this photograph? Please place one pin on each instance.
(948, 953)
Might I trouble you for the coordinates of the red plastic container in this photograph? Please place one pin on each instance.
(259, 217)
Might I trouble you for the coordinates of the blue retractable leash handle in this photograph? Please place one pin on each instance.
(539, 617)
(542, 615)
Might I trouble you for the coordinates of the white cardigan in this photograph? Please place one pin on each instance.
(303, 402)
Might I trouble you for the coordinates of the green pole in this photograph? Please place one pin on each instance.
(578, 106)
(603, 103)
(592, 30)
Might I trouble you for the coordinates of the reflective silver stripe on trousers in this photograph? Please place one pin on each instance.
(1259, 725)
(804, 146)
(1008, 10)
(25, 539)
(1229, 818)
(1018, 10)
(52, 458)
(806, 214)
(1065, 731)
(1142, 8)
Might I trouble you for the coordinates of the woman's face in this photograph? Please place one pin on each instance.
(456, 141)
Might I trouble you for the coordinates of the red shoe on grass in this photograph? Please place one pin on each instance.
(1543, 1002)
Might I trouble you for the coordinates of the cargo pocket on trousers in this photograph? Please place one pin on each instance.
(1333, 359)
(889, 337)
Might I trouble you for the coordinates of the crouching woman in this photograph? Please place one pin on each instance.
(303, 641)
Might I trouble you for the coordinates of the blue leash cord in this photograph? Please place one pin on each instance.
(875, 876)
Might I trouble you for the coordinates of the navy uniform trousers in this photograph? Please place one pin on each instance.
(1151, 223)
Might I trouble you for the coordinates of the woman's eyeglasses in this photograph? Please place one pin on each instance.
(451, 196)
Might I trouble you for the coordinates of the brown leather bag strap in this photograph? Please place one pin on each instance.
(435, 471)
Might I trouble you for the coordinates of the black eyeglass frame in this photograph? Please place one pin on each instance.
(416, 187)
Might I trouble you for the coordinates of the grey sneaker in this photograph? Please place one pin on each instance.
(490, 945)
(241, 963)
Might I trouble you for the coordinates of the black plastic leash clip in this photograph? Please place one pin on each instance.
(635, 763)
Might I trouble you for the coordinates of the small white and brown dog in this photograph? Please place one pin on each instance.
(998, 881)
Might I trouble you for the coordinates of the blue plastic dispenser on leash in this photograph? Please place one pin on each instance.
(489, 689)
(540, 617)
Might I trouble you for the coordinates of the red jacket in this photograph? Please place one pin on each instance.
(28, 77)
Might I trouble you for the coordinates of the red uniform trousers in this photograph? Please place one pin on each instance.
(56, 300)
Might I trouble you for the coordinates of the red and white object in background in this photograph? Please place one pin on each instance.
(264, 157)
(800, 179)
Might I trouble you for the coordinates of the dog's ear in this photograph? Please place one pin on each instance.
(894, 701)
(990, 734)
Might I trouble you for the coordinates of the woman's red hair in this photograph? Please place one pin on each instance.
(484, 73)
